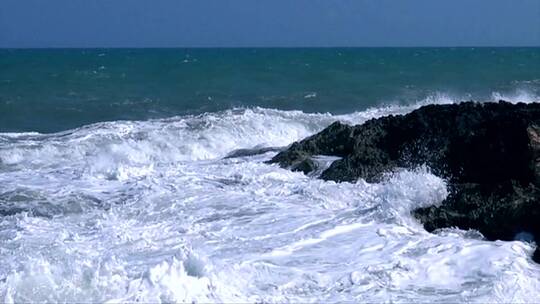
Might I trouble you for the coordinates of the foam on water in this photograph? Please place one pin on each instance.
(517, 96)
(150, 211)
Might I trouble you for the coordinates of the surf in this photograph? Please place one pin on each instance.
(155, 211)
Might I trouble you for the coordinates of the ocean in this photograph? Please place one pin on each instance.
(115, 185)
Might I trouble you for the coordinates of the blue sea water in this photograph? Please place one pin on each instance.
(115, 185)
(54, 90)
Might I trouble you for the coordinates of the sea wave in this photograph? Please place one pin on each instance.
(119, 149)
(151, 211)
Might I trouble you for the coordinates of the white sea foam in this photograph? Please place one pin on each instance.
(516, 96)
(152, 212)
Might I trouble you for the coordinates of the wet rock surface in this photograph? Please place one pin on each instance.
(488, 152)
(252, 152)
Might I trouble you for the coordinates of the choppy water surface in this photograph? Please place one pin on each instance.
(151, 211)
(127, 195)
(51, 90)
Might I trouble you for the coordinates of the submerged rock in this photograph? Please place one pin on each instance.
(252, 152)
(488, 152)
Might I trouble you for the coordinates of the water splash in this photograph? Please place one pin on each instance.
(150, 211)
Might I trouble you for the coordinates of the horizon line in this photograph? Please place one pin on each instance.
(259, 47)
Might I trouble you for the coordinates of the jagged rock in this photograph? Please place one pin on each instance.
(252, 152)
(536, 255)
(306, 166)
(533, 133)
(467, 142)
(500, 211)
(488, 152)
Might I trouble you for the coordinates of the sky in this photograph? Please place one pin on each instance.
(268, 23)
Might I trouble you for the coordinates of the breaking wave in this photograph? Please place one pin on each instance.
(151, 211)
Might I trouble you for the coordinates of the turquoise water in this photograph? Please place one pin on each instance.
(135, 200)
(53, 90)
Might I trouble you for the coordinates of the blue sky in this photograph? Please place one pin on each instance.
(260, 23)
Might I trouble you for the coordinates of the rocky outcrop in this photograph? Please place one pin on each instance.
(488, 152)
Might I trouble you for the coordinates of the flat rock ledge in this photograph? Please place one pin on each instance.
(488, 152)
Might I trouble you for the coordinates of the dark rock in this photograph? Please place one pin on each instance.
(499, 211)
(467, 142)
(536, 255)
(533, 133)
(306, 166)
(488, 152)
(252, 152)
